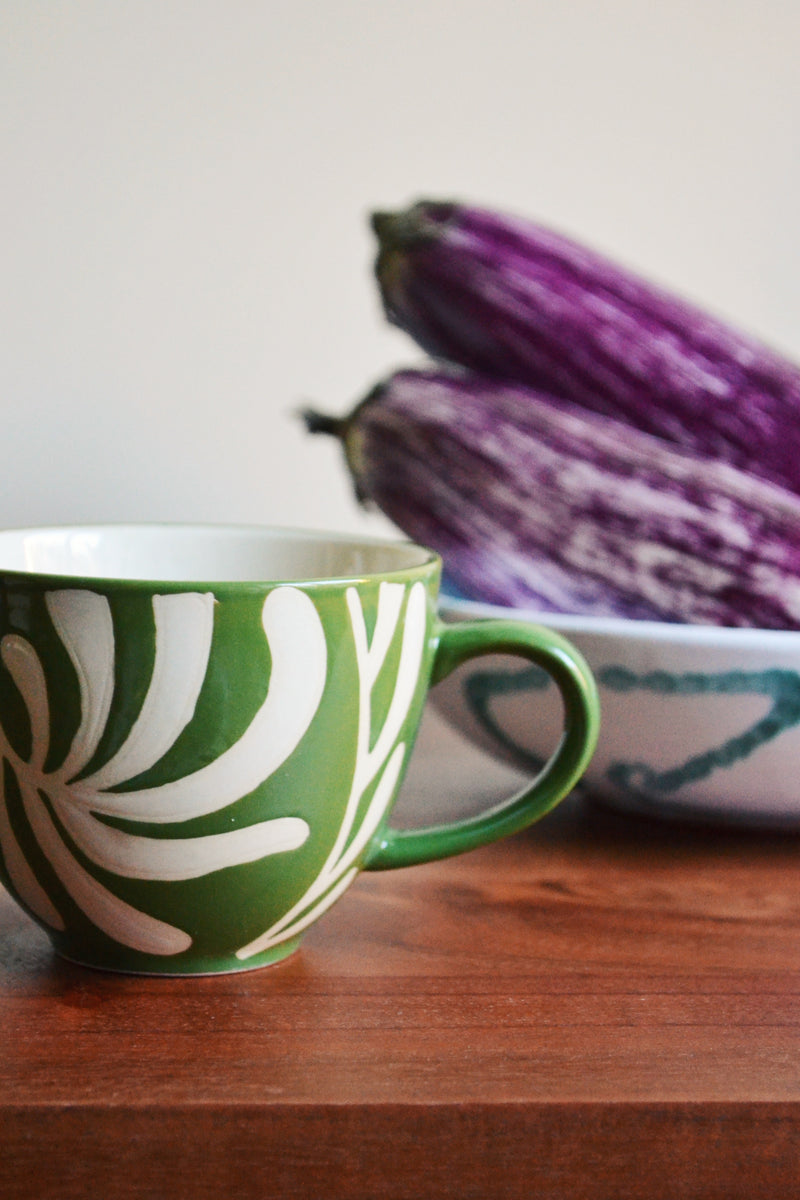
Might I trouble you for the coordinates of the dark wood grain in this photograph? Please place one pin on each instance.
(601, 1007)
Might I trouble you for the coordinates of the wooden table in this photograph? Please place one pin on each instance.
(600, 1007)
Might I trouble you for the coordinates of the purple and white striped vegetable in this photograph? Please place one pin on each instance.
(536, 502)
(517, 301)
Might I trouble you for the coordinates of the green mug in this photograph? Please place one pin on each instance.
(203, 730)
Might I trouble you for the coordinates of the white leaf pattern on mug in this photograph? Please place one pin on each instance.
(183, 627)
(373, 756)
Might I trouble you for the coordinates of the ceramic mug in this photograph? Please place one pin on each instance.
(203, 730)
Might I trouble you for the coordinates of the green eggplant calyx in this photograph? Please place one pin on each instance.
(344, 430)
(423, 221)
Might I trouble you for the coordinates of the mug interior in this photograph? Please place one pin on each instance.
(208, 553)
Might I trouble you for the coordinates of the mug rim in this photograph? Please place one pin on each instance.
(413, 559)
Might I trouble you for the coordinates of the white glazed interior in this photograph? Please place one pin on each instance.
(187, 553)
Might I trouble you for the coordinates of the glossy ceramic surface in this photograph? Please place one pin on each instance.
(203, 731)
(697, 723)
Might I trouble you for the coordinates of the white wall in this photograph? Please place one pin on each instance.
(185, 254)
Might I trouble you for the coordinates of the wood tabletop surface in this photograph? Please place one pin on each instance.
(599, 1007)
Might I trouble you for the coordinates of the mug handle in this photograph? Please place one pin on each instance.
(571, 674)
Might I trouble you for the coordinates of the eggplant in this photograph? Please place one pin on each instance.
(536, 502)
(517, 301)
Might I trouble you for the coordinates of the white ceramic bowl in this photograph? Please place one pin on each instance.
(697, 722)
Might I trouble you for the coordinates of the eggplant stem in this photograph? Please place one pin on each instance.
(317, 422)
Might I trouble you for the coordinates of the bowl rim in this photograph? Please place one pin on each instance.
(624, 628)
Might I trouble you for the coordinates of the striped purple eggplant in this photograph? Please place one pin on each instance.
(517, 301)
(537, 502)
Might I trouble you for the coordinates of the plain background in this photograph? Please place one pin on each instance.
(186, 256)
